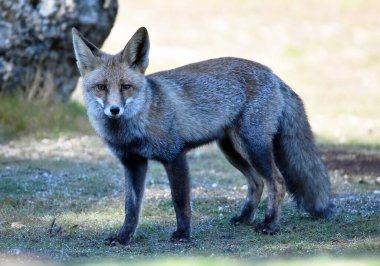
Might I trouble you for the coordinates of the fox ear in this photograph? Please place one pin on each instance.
(86, 53)
(136, 52)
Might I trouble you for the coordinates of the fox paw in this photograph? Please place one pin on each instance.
(114, 240)
(180, 236)
(267, 228)
(239, 219)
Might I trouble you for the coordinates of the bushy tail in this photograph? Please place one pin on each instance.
(298, 158)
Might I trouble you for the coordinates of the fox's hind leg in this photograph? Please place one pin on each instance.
(255, 183)
(276, 193)
(261, 157)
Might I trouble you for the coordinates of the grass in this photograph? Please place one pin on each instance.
(225, 262)
(196, 261)
(39, 119)
(86, 199)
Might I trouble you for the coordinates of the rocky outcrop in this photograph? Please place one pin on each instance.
(36, 54)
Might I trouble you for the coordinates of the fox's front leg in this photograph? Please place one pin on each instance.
(178, 174)
(135, 172)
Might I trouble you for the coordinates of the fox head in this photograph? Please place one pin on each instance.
(113, 85)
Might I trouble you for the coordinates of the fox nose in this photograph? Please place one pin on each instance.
(115, 110)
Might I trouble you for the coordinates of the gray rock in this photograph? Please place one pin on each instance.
(36, 55)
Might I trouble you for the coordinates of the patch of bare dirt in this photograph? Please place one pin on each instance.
(364, 163)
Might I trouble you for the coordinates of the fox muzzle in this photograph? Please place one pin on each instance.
(113, 111)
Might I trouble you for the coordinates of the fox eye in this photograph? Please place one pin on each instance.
(125, 87)
(101, 87)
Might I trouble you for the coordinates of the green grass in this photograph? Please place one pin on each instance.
(38, 119)
(86, 198)
(212, 261)
(226, 262)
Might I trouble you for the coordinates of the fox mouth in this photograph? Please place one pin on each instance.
(113, 117)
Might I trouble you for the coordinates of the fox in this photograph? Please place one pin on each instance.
(258, 122)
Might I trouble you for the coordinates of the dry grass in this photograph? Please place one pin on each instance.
(38, 119)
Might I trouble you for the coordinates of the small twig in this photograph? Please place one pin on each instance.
(54, 228)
